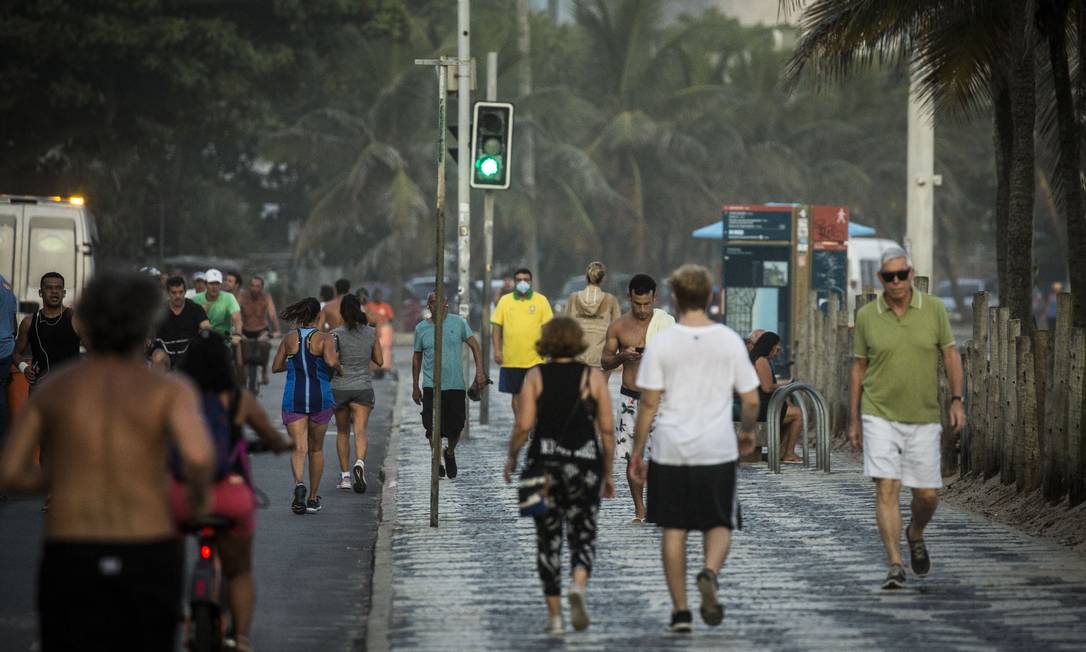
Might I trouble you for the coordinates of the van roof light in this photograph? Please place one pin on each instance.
(76, 200)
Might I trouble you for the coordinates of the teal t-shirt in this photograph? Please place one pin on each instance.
(457, 332)
(219, 311)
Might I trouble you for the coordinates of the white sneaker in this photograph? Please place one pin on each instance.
(555, 626)
(358, 477)
(578, 613)
(344, 482)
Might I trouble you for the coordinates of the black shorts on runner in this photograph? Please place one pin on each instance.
(110, 596)
(693, 497)
(453, 411)
(344, 397)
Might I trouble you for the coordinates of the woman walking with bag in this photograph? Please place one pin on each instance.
(567, 405)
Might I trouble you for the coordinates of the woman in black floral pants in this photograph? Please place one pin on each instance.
(568, 407)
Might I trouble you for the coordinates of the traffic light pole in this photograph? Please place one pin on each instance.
(463, 169)
(488, 247)
(440, 66)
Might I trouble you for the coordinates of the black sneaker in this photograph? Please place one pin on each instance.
(298, 506)
(712, 612)
(682, 622)
(313, 506)
(358, 477)
(450, 463)
(918, 555)
(441, 470)
(895, 578)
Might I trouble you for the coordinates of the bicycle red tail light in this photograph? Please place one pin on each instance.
(201, 589)
(205, 552)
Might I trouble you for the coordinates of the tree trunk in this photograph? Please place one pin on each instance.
(527, 139)
(1069, 200)
(1002, 135)
(1018, 294)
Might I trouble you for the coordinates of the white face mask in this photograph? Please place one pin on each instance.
(523, 287)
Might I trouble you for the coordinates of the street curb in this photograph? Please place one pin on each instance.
(380, 616)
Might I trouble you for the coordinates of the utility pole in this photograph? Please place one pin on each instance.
(921, 182)
(442, 66)
(463, 169)
(488, 248)
(524, 46)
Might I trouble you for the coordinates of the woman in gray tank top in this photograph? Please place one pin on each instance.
(353, 390)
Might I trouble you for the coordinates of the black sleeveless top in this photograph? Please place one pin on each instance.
(52, 341)
(565, 429)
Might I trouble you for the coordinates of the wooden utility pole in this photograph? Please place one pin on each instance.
(524, 47)
(488, 248)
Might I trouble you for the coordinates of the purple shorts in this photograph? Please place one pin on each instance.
(322, 417)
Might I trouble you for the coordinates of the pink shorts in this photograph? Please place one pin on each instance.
(322, 417)
(231, 497)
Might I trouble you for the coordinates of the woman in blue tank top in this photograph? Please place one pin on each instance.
(310, 358)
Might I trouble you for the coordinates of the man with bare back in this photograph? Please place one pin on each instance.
(626, 341)
(111, 567)
(330, 318)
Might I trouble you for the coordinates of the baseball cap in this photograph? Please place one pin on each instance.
(199, 276)
(213, 276)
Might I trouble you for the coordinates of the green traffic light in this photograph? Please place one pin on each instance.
(488, 166)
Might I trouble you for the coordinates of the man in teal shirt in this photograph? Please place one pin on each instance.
(223, 310)
(455, 333)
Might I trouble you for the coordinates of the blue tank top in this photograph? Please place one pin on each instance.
(309, 386)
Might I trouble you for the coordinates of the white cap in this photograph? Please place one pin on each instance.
(213, 276)
(199, 276)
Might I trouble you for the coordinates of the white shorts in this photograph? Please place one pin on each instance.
(625, 424)
(903, 451)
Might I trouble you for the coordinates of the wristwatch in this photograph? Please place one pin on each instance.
(957, 398)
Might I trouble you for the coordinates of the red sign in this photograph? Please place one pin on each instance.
(830, 224)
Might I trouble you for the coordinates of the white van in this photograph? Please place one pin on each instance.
(864, 260)
(45, 234)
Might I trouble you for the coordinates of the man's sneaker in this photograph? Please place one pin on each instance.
(441, 470)
(450, 463)
(298, 506)
(578, 614)
(682, 622)
(313, 506)
(344, 482)
(895, 578)
(555, 626)
(358, 477)
(712, 612)
(918, 554)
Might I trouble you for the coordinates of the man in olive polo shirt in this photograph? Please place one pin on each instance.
(518, 322)
(895, 387)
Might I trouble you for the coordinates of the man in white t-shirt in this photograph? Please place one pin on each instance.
(687, 378)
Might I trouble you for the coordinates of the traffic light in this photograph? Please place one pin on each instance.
(491, 145)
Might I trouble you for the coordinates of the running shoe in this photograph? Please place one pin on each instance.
(918, 554)
(895, 578)
(313, 506)
(712, 612)
(682, 622)
(298, 506)
(344, 482)
(450, 463)
(555, 626)
(358, 477)
(578, 614)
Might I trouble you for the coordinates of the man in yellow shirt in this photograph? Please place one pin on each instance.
(518, 322)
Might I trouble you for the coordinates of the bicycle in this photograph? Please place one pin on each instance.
(173, 348)
(254, 355)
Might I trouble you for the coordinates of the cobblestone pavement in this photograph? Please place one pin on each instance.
(804, 573)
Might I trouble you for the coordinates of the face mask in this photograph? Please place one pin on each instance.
(523, 287)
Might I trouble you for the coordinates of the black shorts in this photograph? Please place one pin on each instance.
(453, 411)
(511, 379)
(252, 335)
(693, 497)
(110, 596)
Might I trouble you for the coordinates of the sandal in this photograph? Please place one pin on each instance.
(637, 520)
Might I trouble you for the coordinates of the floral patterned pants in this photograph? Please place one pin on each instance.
(574, 496)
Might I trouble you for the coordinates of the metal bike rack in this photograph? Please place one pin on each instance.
(822, 425)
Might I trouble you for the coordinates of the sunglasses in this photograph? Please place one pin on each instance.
(901, 275)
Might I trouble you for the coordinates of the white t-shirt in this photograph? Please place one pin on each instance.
(698, 368)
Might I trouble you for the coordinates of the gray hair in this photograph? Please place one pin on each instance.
(894, 253)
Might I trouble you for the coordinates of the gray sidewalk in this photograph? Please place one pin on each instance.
(804, 572)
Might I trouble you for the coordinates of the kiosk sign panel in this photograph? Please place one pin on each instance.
(757, 223)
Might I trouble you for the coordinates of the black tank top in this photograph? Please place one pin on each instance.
(52, 341)
(565, 430)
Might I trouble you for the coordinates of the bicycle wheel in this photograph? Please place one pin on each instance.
(253, 379)
(206, 632)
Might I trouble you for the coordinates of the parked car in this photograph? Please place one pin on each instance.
(968, 287)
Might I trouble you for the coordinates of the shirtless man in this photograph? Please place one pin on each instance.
(111, 568)
(626, 340)
(257, 311)
(330, 319)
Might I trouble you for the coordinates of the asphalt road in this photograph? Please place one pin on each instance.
(313, 572)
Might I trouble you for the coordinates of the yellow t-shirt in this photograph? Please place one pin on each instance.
(522, 323)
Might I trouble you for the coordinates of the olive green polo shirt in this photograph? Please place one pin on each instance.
(901, 382)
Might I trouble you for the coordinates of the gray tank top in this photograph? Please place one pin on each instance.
(355, 352)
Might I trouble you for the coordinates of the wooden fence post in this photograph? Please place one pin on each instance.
(1011, 428)
(1076, 405)
(1055, 460)
(1028, 479)
(998, 336)
(843, 365)
(978, 384)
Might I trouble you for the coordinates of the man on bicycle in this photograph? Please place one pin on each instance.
(257, 312)
(184, 321)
